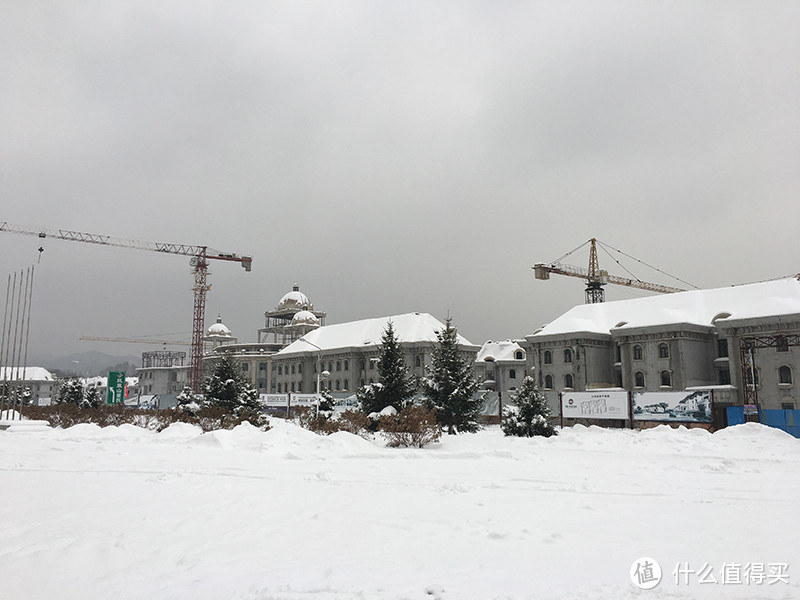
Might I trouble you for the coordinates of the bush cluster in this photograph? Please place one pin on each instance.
(209, 419)
(415, 426)
(326, 423)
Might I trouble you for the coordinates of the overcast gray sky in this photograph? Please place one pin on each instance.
(391, 156)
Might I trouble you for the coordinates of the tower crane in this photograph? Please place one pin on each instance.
(200, 255)
(596, 277)
(93, 338)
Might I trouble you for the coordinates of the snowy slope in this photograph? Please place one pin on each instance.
(122, 512)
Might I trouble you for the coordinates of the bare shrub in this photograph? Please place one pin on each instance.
(326, 423)
(208, 419)
(352, 421)
(414, 426)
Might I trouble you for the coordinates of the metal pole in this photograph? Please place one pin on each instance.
(3, 362)
(26, 325)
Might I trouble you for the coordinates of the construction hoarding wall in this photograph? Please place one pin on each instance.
(595, 405)
(691, 407)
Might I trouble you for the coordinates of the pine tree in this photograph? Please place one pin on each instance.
(228, 388)
(71, 392)
(92, 397)
(394, 388)
(187, 401)
(450, 388)
(529, 415)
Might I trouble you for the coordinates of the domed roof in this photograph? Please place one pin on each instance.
(305, 317)
(295, 300)
(219, 329)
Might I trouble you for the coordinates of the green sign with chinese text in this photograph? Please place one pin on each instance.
(115, 392)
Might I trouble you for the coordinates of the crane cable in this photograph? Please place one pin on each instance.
(606, 246)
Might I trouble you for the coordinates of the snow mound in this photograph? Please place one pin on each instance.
(180, 432)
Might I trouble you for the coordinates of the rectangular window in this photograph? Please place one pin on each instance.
(262, 366)
(724, 377)
(722, 348)
(245, 366)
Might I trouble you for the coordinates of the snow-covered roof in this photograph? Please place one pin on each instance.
(697, 307)
(499, 351)
(30, 374)
(410, 327)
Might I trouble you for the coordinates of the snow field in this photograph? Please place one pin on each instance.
(122, 512)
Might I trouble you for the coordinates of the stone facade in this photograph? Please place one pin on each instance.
(700, 349)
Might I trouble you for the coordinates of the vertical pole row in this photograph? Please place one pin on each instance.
(14, 341)
(4, 350)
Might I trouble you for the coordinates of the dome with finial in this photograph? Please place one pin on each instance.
(295, 300)
(305, 317)
(219, 329)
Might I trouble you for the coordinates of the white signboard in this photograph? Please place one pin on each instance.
(275, 399)
(595, 405)
(304, 399)
(672, 406)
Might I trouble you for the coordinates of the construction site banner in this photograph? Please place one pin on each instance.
(686, 406)
(115, 391)
(276, 400)
(304, 399)
(595, 405)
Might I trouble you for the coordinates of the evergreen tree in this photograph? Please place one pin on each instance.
(188, 402)
(394, 388)
(450, 388)
(71, 392)
(92, 397)
(529, 415)
(229, 389)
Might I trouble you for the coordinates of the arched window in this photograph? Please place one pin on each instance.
(300, 386)
(512, 374)
(293, 371)
(280, 370)
(300, 368)
(785, 375)
(548, 382)
(568, 382)
(548, 357)
(663, 351)
(666, 379)
(293, 386)
(346, 365)
(417, 361)
(346, 385)
(638, 353)
(519, 355)
(639, 379)
(362, 364)
(338, 365)
(567, 355)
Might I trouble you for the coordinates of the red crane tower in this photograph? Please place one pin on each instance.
(199, 261)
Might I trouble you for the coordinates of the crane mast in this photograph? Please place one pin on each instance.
(199, 261)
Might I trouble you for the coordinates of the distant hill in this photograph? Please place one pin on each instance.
(86, 363)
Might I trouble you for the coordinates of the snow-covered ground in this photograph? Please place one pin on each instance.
(89, 513)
